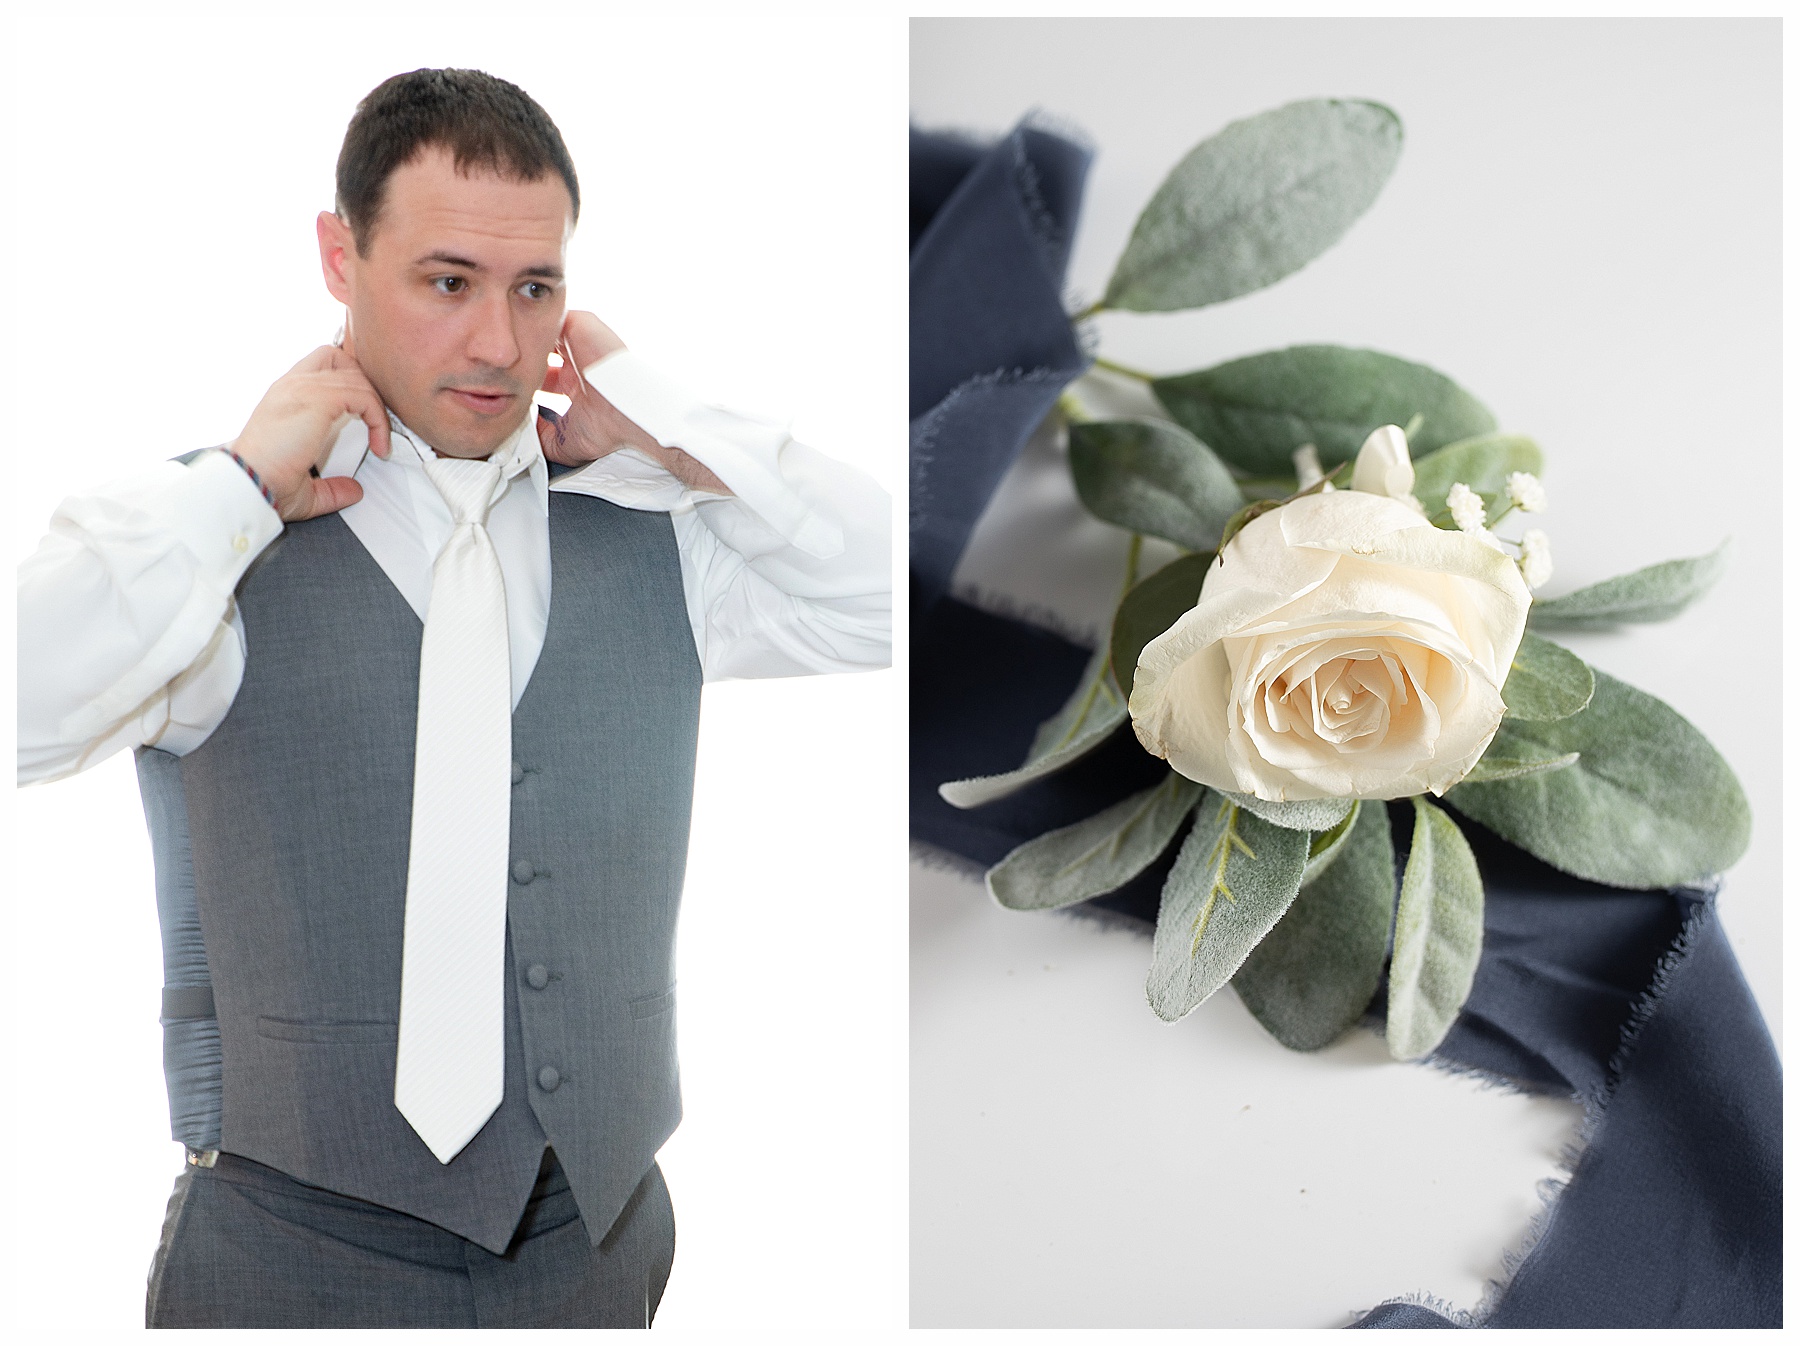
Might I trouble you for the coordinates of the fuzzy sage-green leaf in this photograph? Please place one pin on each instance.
(1087, 720)
(1303, 815)
(1546, 682)
(1256, 411)
(1153, 477)
(1254, 203)
(1650, 803)
(1095, 855)
(1482, 464)
(1437, 935)
(1328, 846)
(1491, 767)
(1151, 607)
(1316, 971)
(1233, 879)
(1653, 594)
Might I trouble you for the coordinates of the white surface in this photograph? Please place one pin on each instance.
(164, 273)
(1584, 231)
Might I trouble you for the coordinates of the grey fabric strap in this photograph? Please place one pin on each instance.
(192, 1052)
(187, 1002)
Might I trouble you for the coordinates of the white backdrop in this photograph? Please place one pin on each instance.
(1585, 231)
(167, 166)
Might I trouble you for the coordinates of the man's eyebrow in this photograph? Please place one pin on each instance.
(548, 270)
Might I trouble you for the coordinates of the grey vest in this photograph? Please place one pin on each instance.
(281, 846)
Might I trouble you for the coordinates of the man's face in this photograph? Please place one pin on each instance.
(459, 299)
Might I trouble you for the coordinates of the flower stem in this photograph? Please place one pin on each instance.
(1101, 362)
(1072, 410)
(1133, 554)
(1089, 311)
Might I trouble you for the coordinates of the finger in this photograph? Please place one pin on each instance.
(342, 359)
(550, 434)
(586, 339)
(322, 357)
(329, 495)
(357, 397)
(572, 379)
(561, 380)
(374, 413)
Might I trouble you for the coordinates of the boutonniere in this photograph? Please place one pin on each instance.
(1349, 642)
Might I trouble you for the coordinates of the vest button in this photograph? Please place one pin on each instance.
(548, 1079)
(538, 975)
(523, 872)
(518, 773)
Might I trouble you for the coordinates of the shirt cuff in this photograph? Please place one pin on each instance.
(220, 515)
(743, 453)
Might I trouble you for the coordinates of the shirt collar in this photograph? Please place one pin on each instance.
(520, 454)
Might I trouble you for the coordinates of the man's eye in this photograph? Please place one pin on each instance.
(449, 284)
(535, 289)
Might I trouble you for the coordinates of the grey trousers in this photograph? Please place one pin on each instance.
(247, 1246)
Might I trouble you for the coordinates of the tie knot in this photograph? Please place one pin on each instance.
(467, 485)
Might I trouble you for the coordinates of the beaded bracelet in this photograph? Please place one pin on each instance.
(253, 477)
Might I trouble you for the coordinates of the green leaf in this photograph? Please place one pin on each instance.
(1302, 815)
(1086, 720)
(1651, 804)
(1266, 488)
(1256, 411)
(1153, 477)
(1234, 878)
(1437, 935)
(1255, 509)
(1254, 203)
(1546, 682)
(1328, 846)
(1482, 464)
(1153, 605)
(1653, 594)
(1318, 969)
(1096, 855)
(1491, 767)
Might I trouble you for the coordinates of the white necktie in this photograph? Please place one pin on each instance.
(449, 1076)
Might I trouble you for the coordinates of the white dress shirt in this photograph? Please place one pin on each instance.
(129, 635)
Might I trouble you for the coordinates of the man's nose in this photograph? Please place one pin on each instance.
(491, 339)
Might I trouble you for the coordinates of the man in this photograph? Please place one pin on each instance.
(412, 671)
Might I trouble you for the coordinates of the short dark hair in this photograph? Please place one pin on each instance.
(484, 122)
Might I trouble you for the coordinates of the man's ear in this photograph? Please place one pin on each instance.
(337, 255)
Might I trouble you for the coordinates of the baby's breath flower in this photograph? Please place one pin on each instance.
(1525, 491)
(1534, 559)
(1466, 508)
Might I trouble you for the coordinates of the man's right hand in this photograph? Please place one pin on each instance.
(295, 425)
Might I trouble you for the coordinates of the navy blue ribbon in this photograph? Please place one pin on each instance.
(1631, 1002)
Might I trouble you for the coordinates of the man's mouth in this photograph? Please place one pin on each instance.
(483, 402)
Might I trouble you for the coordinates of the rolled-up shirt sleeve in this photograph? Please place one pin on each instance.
(128, 633)
(790, 574)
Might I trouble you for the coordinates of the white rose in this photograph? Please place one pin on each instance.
(1342, 648)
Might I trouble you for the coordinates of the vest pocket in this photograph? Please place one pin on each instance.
(649, 1006)
(343, 1032)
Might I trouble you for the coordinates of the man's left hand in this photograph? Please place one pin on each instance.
(593, 427)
